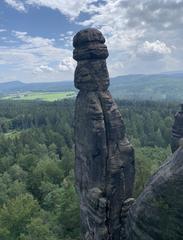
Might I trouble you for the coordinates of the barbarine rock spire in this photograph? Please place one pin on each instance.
(104, 165)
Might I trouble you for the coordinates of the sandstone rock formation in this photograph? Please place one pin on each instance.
(158, 212)
(104, 167)
(177, 130)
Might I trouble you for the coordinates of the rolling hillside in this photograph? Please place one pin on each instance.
(166, 86)
(17, 86)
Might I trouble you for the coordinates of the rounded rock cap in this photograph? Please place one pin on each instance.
(89, 44)
(88, 35)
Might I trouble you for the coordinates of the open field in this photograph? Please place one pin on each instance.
(40, 96)
(12, 134)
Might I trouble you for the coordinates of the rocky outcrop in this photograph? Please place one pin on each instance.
(177, 130)
(104, 166)
(158, 212)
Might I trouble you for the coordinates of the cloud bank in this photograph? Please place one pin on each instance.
(143, 36)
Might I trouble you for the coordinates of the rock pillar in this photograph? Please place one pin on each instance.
(104, 164)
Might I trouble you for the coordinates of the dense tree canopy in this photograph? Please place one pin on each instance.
(37, 194)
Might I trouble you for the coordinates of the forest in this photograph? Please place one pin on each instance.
(37, 193)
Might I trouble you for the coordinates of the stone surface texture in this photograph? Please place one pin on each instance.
(104, 164)
(177, 130)
(158, 211)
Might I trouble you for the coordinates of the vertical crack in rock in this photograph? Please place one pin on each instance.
(107, 220)
(104, 165)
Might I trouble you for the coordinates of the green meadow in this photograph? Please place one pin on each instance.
(40, 96)
(12, 134)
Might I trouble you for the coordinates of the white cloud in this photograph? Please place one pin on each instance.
(68, 8)
(123, 39)
(156, 47)
(111, 19)
(67, 64)
(33, 41)
(2, 30)
(67, 38)
(44, 68)
(35, 57)
(131, 29)
(18, 5)
(72, 9)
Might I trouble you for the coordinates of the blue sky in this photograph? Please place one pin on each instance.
(143, 36)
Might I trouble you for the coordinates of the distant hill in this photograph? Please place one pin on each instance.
(164, 86)
(17, 86)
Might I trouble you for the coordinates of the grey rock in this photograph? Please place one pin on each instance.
(89, 44)
(104, 164)
(158, 211)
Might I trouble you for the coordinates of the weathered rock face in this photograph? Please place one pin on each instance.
(158, 212)
(177, 130)
(104, 166)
